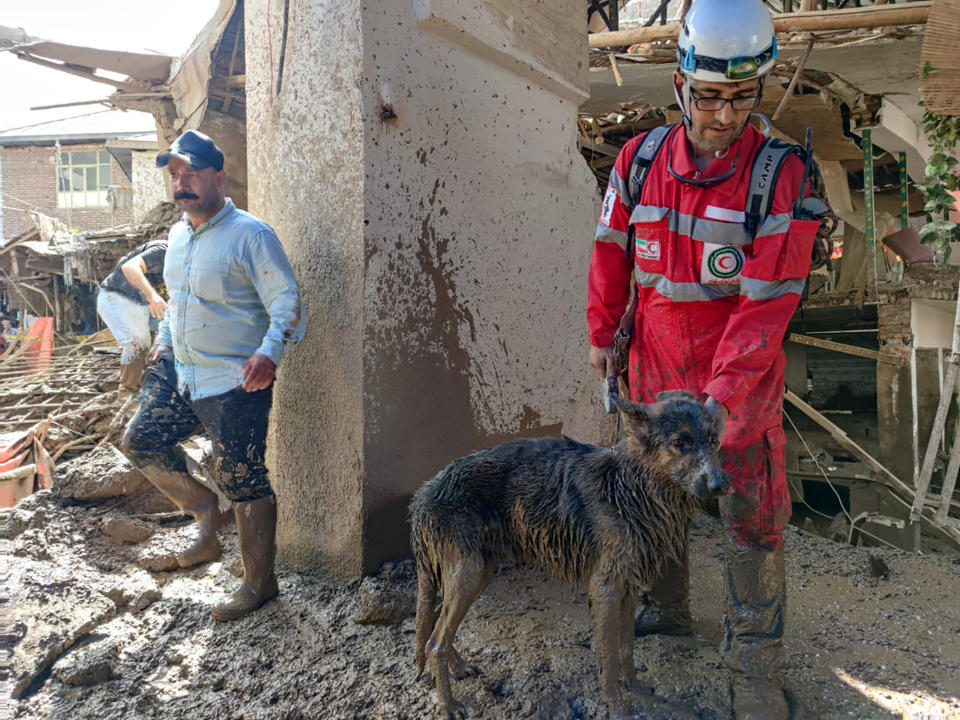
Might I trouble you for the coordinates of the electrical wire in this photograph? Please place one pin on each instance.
(29, 204)
(832, 487)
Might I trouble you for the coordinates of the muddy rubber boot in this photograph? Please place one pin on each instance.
(203, 505)
(256, 526)
(753, 631)
(665, 610)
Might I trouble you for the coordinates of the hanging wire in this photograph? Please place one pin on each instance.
(29, 204)
(832, 487)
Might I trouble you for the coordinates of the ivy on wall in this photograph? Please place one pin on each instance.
(940, 178)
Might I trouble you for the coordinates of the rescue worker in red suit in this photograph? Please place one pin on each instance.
(713, 305)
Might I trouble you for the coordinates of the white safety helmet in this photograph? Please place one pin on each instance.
(726, 41)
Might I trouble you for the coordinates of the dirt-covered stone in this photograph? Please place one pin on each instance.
(125, 529)
(98, 475)
(53, 610)
(87, 665)
(382, 601)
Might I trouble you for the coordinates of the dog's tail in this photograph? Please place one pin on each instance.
(428, 587)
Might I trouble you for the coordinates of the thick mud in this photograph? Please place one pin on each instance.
(871, 633)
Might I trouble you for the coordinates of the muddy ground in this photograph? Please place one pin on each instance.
(871, 633)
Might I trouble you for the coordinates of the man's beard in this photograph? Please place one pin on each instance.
(705, 143)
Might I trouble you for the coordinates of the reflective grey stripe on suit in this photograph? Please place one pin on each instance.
(699, 229)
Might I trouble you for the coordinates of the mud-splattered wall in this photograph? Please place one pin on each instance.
(419, 163)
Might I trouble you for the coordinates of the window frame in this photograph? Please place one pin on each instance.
(68, 196)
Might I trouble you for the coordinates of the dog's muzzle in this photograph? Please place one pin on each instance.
(717, 483)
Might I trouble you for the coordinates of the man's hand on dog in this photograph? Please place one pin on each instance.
(603, 360)
(718, 411)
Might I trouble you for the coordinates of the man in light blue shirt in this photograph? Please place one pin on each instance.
(234, 307)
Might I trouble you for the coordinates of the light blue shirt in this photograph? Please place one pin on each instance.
(232, 294)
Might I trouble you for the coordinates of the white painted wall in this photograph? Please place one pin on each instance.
(932, 323)
(148, 186)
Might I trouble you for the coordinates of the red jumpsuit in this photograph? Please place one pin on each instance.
(713, 306)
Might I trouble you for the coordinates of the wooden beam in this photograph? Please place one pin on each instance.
(602, 148)
(18, 473)
(107, 100)
(912, 13)
(887, 477)
(79, 73)
(900, 488)
(844, 348)
(940, 420)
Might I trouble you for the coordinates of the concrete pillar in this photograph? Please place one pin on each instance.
(419, 164)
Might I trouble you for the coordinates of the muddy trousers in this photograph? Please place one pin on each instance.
(756, 592)
(235, 422)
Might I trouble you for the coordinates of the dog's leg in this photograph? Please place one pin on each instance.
(426, 619)
(628, 671)
(605, 605)
(463, 580)
(459, 667)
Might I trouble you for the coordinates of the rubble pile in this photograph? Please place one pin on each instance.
(97, 637)
(74, 392)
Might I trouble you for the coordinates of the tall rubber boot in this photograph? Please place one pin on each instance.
(203, 505)
(257, 527)
(753, 631)
(665, 610)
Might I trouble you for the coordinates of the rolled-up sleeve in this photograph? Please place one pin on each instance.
(279, 291)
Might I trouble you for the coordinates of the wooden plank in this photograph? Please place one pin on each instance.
(939, 423)
(844, 348)
(18, 473)
(886, 477)
(913, 13)
(602, 148)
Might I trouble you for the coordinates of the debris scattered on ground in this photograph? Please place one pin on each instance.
(98, 637)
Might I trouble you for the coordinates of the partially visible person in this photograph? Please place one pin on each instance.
(234, 309)
(8, 333)
(127, 299)
(717, 281)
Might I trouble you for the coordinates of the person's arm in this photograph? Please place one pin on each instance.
(277, 286)
(608, 285)
(135, 271)
(163, 342)
(774, 271)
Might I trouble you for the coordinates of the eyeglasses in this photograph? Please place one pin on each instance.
(714, 104)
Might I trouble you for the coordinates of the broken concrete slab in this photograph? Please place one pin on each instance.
(52, 612)
(100, 474)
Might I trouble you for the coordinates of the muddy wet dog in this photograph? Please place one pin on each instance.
(606, 518)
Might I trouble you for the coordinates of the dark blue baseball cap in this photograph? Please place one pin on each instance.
(195, 149)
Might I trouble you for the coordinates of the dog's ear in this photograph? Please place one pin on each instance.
(675, 394)
(633, 414)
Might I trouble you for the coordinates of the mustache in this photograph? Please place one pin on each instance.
(185, 196)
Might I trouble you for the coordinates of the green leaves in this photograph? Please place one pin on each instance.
(940, 176)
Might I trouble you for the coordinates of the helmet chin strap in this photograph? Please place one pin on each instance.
(684, 100)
